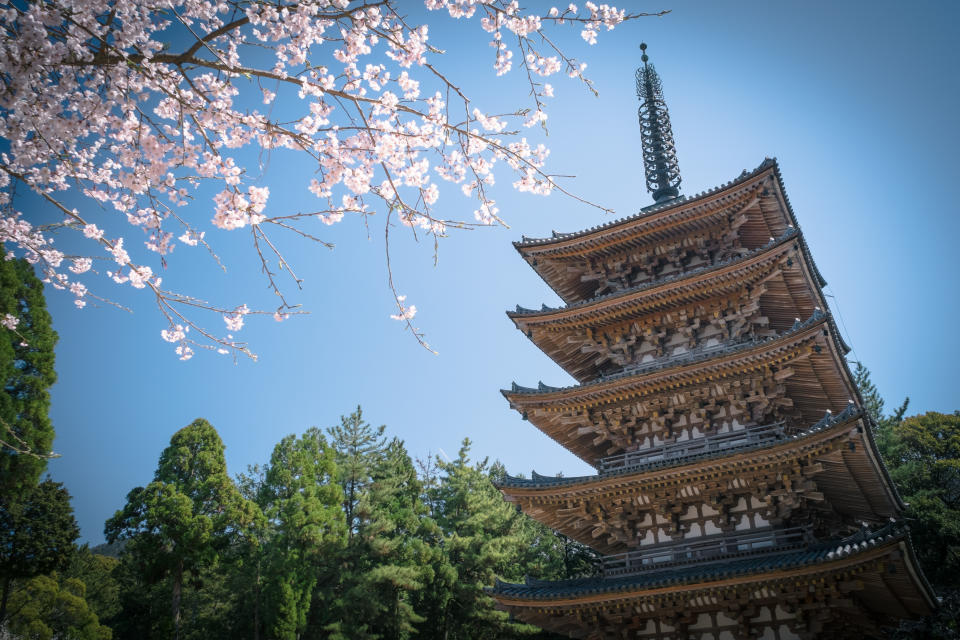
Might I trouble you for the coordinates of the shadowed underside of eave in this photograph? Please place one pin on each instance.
(818, 381)
(758, 196)
(831, 593)
(835, 471)
(777, 276)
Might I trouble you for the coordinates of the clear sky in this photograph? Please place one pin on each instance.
(857, 101)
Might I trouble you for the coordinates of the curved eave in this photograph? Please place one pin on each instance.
(585, 393)
(585, 307)
(596, 593)
(510, 485)
(544, 405)
(549, 328)
(650, 216)
(852, 483)
(767, 214)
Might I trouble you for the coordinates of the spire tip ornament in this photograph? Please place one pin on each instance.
(659, 153)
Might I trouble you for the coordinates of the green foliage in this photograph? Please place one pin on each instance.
(37, 532)
(922, 454)
(102, 590)
(180, 523)
(924, 461)
(54, 606)
(347, 541)
(358, 447)
(301, 502)
(872, 400)
(484, 539)
(26, 370)
(391, 554)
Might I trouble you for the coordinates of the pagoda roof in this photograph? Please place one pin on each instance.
(772, 218)
(542, 482)
(671, 282)
(543, 405)
(695, 286)
(676, 373)
(892, 535)
(853, 479)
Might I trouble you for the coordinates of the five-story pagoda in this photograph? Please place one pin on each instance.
(738, 493)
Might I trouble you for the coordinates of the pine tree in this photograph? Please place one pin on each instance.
(872, 400)
(483, 540)
(391, 555)
(359, 447)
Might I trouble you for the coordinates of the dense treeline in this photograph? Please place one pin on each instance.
(340, 535)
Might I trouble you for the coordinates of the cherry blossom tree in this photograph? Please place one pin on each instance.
(144, 112)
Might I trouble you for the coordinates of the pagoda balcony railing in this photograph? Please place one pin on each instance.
(673, 451)
(708, 549)
(694, 353)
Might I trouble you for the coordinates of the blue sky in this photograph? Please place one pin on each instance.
(856, 100)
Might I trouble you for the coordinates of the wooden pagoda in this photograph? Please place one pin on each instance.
(738, 493)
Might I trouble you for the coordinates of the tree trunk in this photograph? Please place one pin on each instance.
(177, 592)
(256, 606)
(3, 602)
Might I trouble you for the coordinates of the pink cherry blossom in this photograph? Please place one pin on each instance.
(142, 118)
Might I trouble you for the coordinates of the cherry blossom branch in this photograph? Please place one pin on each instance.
(95, 101)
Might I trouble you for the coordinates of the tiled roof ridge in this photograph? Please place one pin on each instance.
(537, 480)
(815, 317)
(815, 554)
(744, 176)
(789, 234)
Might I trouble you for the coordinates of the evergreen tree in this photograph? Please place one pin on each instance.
(924, 463)
(37, 534)
(483, 540)
(180, 523)
(26, 370)
(872, 400)
(249, 578)
(358, 447)
(390, 556)
(101, 589)
(301, 502)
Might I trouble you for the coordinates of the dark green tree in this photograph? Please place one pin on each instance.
(249, 579)
(483, 540)
(102, 590)
(301, 501)
(181, 522)
(37, 534)
(26, 369)
(924, 461)
(358, 447)
(872, 400)
(391, 555)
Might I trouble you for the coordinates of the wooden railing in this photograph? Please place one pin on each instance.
(695, 446)
(707, 549)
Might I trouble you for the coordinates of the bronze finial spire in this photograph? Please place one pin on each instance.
(659, 153)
